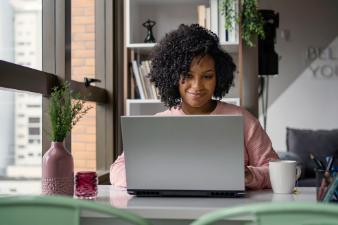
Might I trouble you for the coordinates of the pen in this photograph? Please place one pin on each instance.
(329, 164)
(326, 177)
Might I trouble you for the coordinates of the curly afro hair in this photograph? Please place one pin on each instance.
(172, 57)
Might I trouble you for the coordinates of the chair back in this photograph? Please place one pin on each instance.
(276, 214)
(57, 210)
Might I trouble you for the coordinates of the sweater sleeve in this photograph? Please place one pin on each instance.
(259, 150)
(118, 172)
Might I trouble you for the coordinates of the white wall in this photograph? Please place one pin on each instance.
(305, 93)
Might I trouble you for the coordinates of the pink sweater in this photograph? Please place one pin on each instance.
(258, 148)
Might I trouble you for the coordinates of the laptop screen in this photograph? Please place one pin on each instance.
(184, 152)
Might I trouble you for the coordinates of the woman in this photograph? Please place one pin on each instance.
(192, 73)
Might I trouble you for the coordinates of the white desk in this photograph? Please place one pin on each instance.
(183, 210)
(180, 211)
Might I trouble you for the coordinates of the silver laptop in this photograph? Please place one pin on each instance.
(184, 155)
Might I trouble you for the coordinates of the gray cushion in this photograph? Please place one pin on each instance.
(320, 143)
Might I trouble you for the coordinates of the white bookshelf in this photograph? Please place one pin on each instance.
(168, 15)
(145, 48)
(141, 48)
(141, 45)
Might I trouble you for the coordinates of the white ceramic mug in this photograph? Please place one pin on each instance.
(283, 175)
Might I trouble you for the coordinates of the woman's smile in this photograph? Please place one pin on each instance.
(195, 94)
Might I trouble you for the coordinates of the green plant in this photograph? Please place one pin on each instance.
(64, 111)
(249, 18)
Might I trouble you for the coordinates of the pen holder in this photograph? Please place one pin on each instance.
(86, 185)
(323, 180)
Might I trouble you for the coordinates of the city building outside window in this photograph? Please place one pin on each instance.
(34, 57)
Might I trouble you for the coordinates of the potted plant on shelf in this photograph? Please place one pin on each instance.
(57, 162)
(248, 17)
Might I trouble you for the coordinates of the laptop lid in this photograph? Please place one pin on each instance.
(184, 155)
(135, 107)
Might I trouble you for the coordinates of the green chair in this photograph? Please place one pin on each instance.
(276, 214)
(56, 210)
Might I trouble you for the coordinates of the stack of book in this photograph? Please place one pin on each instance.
(145, 88)
(211, 17)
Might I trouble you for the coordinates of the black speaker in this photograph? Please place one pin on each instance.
(267, 57)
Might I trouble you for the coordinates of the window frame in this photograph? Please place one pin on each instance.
(61, 52)
(56, 67)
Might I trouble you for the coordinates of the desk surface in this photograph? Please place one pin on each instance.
(191, 208)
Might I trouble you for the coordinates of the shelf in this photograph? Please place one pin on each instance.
(144, 48)
(141, 45)
(169, 2)
(230, 47)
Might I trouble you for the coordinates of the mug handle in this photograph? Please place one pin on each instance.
(298, 172)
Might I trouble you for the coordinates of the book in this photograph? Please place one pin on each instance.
(138, 80)
(207, 18)
(147, 84)
(201, 15)
(222, 32)
(134, 92)
(155, 95)
(214, 16)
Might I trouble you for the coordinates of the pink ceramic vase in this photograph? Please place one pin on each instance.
(57, 171)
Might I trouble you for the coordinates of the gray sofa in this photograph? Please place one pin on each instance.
(303, 142)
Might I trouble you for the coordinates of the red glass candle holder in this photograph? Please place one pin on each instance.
(86, 185)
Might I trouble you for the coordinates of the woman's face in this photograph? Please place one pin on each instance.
(198, 87)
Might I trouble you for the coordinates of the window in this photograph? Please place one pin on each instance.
(33, 106)
(33, 131)
(34, 120)
(15, 165)
(32, 140)
(27, 81)
(15, 105)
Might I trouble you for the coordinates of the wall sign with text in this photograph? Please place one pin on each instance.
(323, 62)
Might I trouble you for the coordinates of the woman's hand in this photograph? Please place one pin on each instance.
(248, 176)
